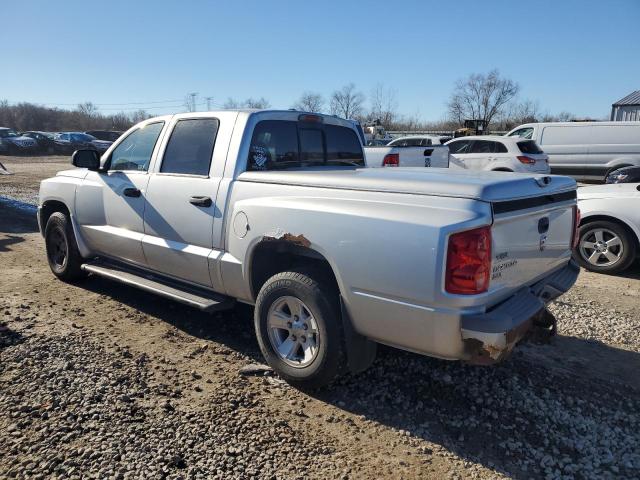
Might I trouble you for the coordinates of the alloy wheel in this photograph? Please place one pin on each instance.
(293, 331)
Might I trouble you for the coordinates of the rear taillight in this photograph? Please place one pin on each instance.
(576, 226)
(525, 159)
(469, 262)
(391, 160)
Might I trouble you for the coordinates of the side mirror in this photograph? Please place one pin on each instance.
(86, 159)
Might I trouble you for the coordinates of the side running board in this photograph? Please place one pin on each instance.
(187, 294)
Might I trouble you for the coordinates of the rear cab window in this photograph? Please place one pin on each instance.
(278, 144)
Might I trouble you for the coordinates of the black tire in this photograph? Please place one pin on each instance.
(62, 250)
(321, 300)
(502, 170)
(626, 253)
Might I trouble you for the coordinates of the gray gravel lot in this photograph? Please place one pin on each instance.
(98, 380)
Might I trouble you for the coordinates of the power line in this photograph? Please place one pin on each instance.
(54, 104)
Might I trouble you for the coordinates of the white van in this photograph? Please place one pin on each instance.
(585, 149)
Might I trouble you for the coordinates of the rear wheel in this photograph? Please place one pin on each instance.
(62, 250)
(605, 247)
(299, 328)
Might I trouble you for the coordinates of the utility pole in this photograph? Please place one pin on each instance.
(193, 101)
(209, 103)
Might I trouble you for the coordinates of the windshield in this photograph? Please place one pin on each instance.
(7, 133)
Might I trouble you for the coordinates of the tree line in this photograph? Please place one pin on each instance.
(480, 96)
(28, 116)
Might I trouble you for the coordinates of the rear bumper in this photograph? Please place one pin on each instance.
(490, 337)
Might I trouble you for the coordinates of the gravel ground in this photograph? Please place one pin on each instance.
(102, 381)
(26, 174)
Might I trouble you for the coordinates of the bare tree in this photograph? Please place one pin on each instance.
(384, 105)
(310, 102)
(257, 103)
(559, 117)
(347, 102)
(231, 104)
(481, 97)
(87, 108)
(139, 116)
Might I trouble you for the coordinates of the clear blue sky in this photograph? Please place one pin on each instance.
(577, 56)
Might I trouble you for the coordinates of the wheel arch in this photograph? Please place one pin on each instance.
(635, 234)
(48, 208)
(269, 257)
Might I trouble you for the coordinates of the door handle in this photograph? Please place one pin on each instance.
(200, 201)
(131, 192)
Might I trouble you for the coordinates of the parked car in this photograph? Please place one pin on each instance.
(589, 150)
(45, 141)
(108, 135)
(418, 141)
(69, 142)
(498, 154)
(377, 142)
(274, 209)
(624, 175)
(610, 227)
(15, 144)
(397, 156)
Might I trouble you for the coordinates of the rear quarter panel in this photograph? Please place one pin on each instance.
(386, 250)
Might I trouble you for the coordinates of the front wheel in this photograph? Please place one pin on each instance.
(299, 328)
(605, 247)
(64, 258)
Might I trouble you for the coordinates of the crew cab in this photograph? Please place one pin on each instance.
(274, 209)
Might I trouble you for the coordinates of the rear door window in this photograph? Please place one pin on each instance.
(190, 147)
(499, 148)
(481, 146)
(459, 147)
(529, 147)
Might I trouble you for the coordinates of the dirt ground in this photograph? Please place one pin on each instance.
(569, 409)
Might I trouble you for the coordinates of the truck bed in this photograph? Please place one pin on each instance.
(486, 186)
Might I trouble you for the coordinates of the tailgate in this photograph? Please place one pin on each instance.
(436, 156)
(531, 237)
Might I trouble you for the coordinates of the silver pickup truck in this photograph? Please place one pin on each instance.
(274, 209)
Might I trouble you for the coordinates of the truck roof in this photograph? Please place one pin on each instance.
(271, 113)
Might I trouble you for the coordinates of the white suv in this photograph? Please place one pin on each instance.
(418, 141)
(501, 154)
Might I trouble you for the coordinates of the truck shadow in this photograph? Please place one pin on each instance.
(518, 418)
